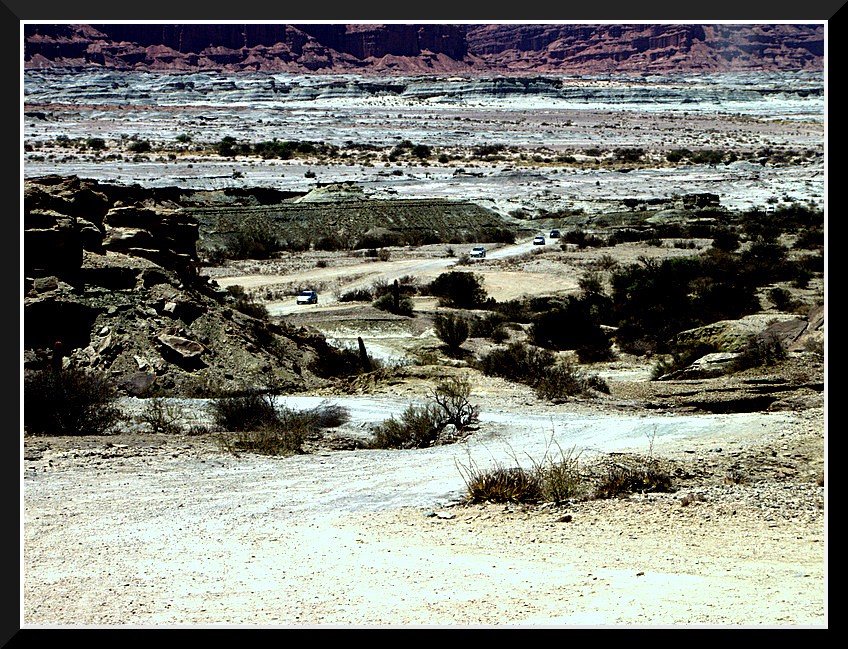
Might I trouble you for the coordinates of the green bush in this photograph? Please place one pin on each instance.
(518, 362)
(417, 427)
(458, 289)
(400, 306)
(69, 402)
(452, 330)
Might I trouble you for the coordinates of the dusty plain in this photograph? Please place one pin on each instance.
(145, 530)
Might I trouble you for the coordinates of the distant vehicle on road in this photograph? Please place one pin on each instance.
(539, 240)
(478, 252)
(554, 234)
(307, 297)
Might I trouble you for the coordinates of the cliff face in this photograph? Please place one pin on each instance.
(427, 48)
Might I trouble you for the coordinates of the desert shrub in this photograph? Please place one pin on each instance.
(559, 381)
(782, 299)
(400, 305)
(329, 415)
(248, 410)
(574, 324)
(758, 351)
(676, 155)
(417, 427)
(458, 289)
(275, 438)
(801, 276)
(357, 295)
(501, 484)
(69, 402)
(95, 143)
(451, 397)
(518, 362)
(161, 416)
(452, 330)
(726, 239)
(621, 480)
(815, 346)
(559, 475)
(629, 154)
(680, 358)
(654, 300)
(329, 243)
(563, 380)
(595, 382)
(810, 239)
(139, 146)
(283, 431)
(490, 326)
(583, 240)
(337, 361)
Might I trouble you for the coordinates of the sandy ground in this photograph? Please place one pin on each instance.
(149, 530)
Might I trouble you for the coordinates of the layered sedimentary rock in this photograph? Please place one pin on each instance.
(427, 48)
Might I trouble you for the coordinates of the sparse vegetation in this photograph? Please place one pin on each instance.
(252, 422)
(421, 425)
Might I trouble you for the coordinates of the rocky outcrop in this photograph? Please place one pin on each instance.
(427, 48)
(110, 273)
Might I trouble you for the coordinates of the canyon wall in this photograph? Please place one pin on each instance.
(518, 48)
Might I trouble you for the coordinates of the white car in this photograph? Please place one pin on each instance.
(539, 240)
(478, 252)
(307, 297)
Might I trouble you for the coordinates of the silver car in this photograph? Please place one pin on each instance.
(307, 297)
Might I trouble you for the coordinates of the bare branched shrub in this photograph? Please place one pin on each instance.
(452, 398)
(161, 416)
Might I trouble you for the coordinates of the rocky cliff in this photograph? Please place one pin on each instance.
(427, 48)
(109, 272)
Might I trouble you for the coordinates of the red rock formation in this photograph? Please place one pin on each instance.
(428, 48)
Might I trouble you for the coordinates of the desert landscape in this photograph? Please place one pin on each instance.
(177, 201)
